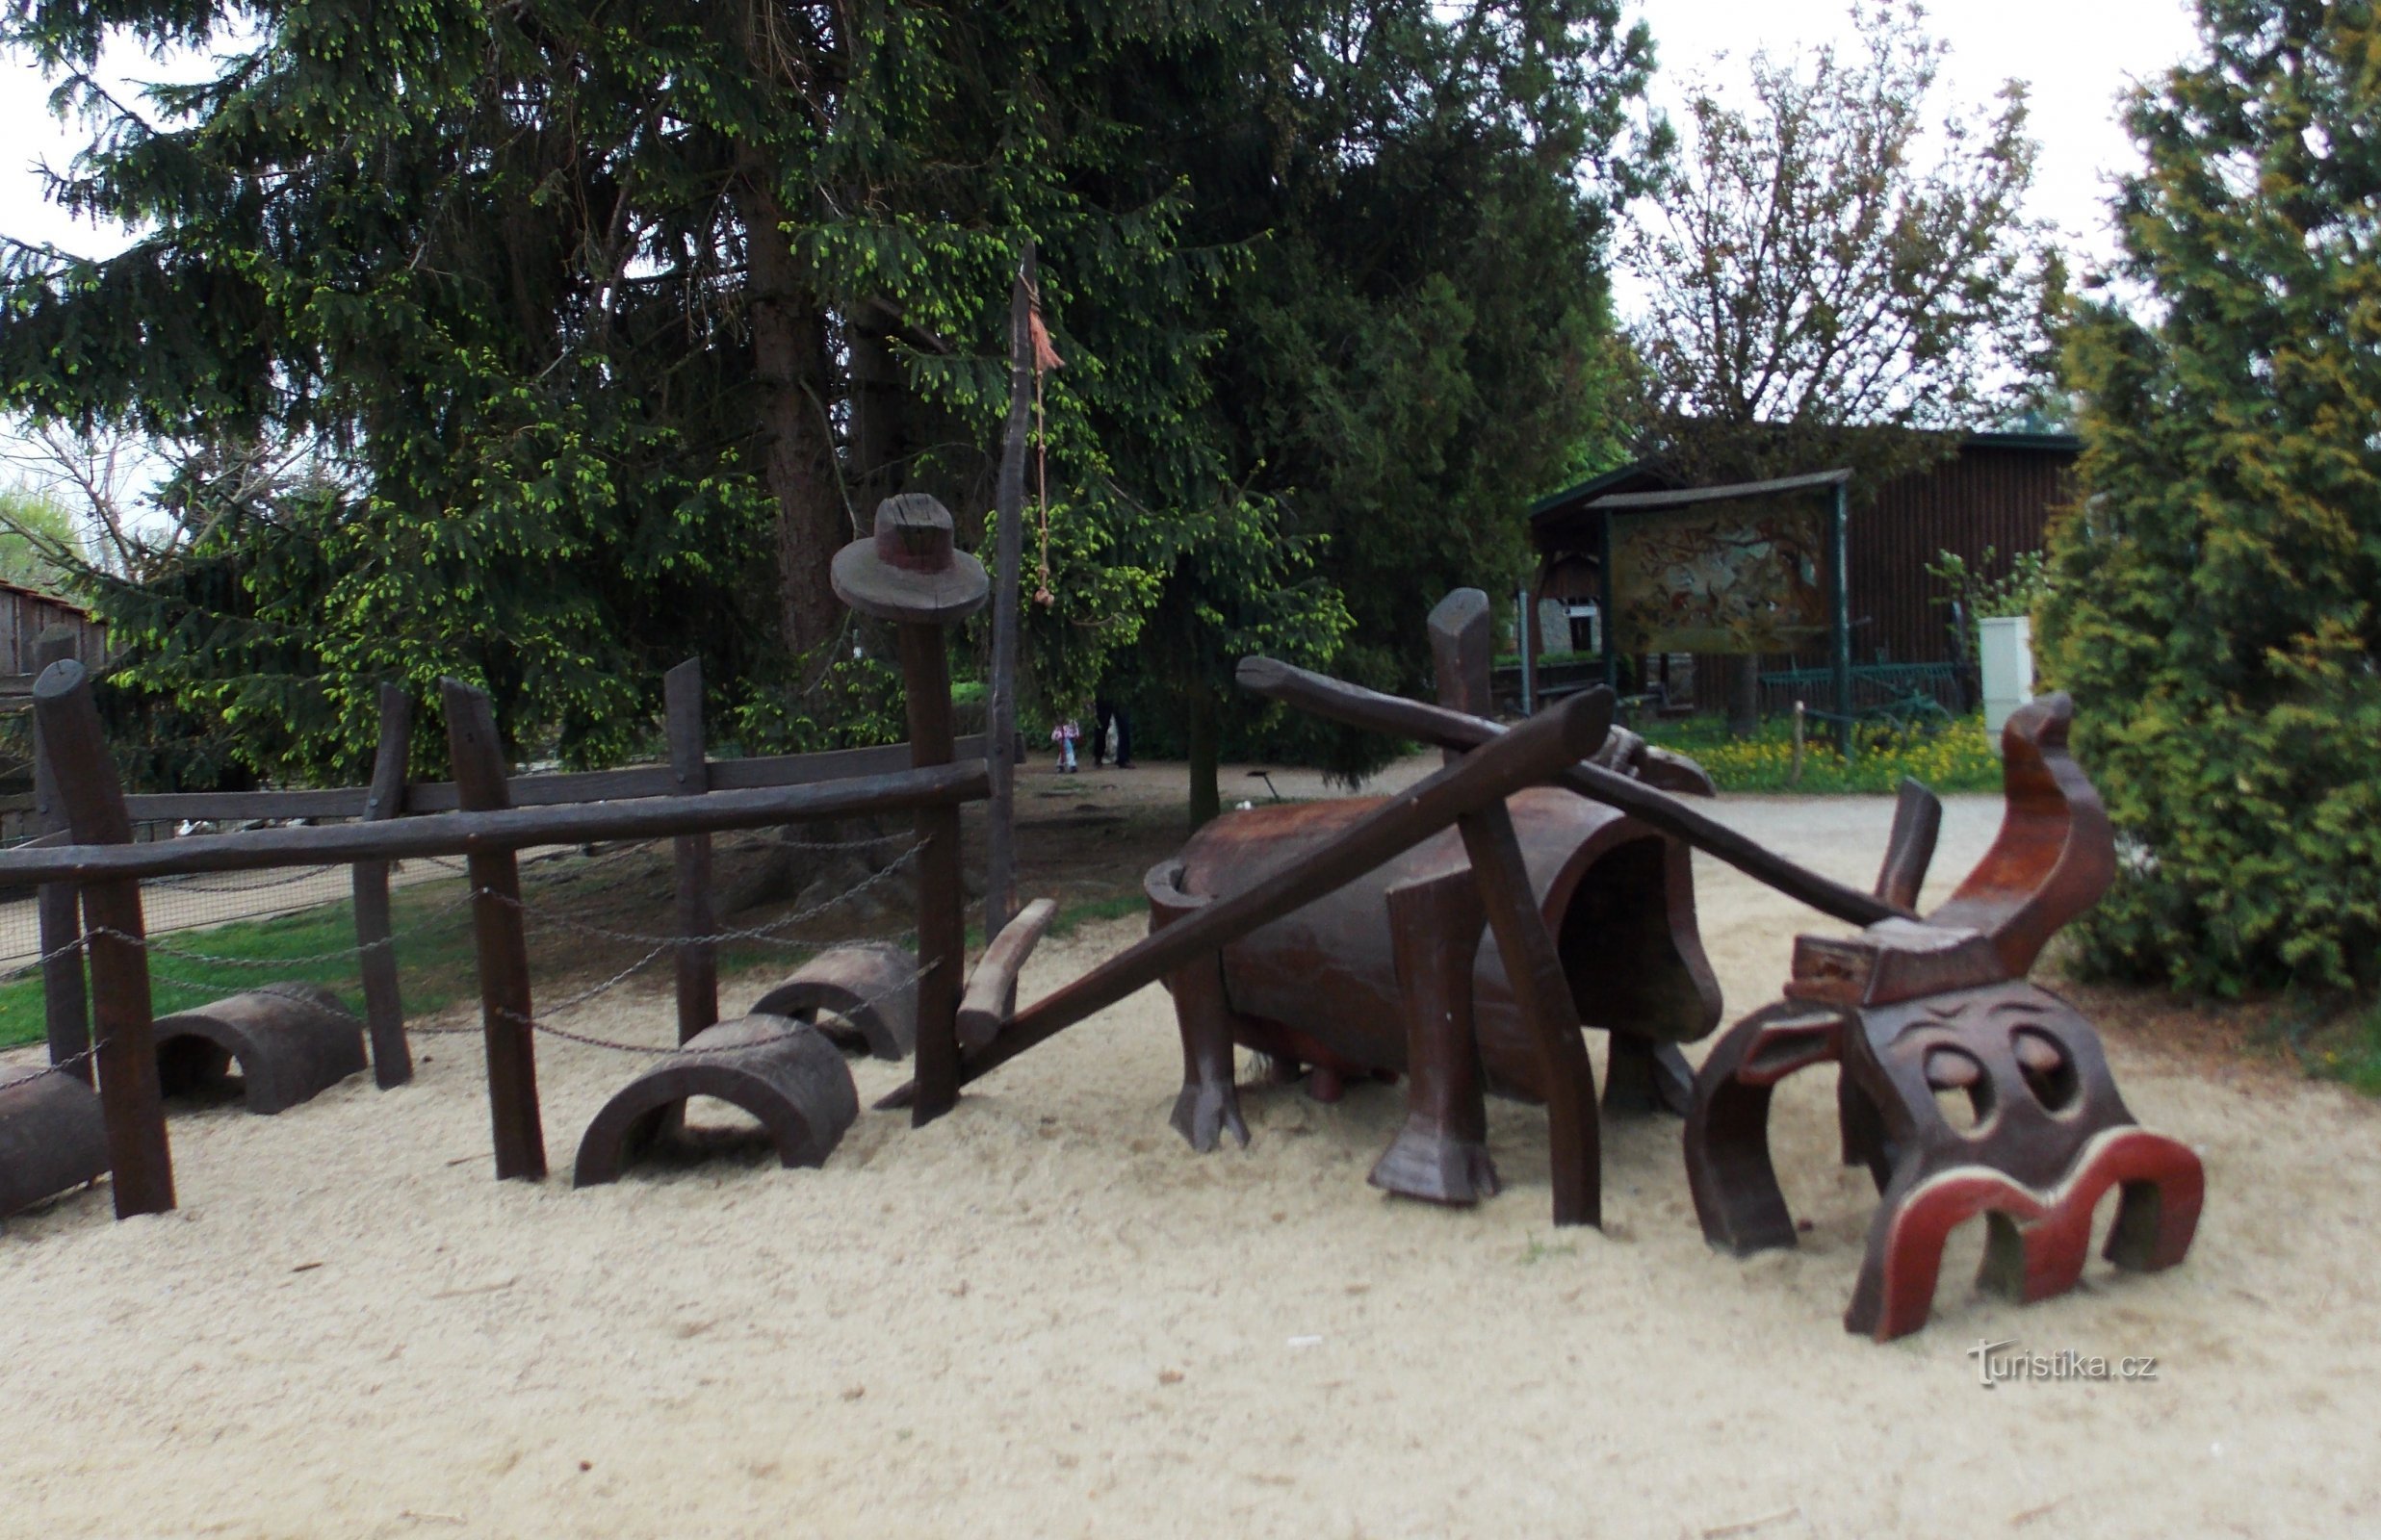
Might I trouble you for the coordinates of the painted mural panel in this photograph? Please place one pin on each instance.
(1720, 578)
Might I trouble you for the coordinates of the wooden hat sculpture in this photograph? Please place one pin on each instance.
(912, 569)
(1919, 1012)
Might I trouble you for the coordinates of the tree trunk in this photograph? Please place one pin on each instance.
(789, 366)
(879, 450)
(1205, 748)
(1744, 695)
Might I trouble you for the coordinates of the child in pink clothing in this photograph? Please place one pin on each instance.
(1064, 735)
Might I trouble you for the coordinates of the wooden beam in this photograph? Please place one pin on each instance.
(465, 833)
(1341, 702)
(698, 962)
(505, 1011)
(93, 801)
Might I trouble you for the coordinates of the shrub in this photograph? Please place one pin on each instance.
(2213, 603)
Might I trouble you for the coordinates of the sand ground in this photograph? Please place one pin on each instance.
(1043, 1315)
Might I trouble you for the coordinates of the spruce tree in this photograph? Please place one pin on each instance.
(2216, 608)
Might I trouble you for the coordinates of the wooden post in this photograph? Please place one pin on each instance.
(93, 801)
(1008, 557)
(942, 914)
(698, 962)
(1461, 648)
(384, 1006)
(1794, 777)
(1544, 998)
(65, 1004)
(477, 758)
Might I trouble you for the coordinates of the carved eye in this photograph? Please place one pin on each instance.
(2048, 1072)
(1962, 1090)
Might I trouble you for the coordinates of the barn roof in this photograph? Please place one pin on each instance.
(1640, 476)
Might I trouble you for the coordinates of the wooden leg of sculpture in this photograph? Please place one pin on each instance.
(129, 1094)
(1727, 1142)
(942, 898)
(384, 1007)
(65, 1004)
(1647, 1076)
(1209, 1102)
(1543, 996)
(1441, 1155)
(505, 1011)
(698, 962)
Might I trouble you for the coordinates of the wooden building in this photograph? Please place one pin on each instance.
(1998, 490)
(25, 613)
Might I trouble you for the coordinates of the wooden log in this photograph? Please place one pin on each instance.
(66, 1003)
(538, 791)
(942, 896)
(1534, 969)
(1526, 755)
(1352, 703)
(1008, 559)
(991, 988)
(93, 801)
(698, 961)
(505, 1011)
(465, 834)
(384, 1005)
(1917, 823)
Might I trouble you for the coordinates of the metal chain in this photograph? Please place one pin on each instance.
(539, 1024)
(58, 1068)
(760, 932)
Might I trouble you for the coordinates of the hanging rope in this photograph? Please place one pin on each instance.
(1044, 359)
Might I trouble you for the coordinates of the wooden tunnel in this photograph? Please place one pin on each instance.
(290, 1042)
(870, 990)
(785, 1074)
(52, 1136)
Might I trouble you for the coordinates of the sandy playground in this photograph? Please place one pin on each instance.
(1044, 1315)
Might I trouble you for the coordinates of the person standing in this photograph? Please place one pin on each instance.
(1105, 709)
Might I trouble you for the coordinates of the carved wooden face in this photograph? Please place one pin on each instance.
(2007, 1076)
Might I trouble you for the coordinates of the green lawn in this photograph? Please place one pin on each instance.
(435, 964)
(434, 959)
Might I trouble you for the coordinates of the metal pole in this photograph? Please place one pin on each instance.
(1529, 669)
(1841, 545)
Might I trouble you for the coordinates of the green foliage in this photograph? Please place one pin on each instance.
(2213, 607)
(38, 546)
(1979, 595)
(547, 345)
(1953, 759)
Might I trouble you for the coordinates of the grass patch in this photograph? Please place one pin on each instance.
(2349, 1052)
(1957, 757)
(434, 960)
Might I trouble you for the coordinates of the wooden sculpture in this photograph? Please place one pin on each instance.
(1917, 1010)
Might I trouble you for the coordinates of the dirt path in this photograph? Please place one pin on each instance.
(1042, 1316)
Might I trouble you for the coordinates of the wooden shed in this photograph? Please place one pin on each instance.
(1997, 490)
(25, 613)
